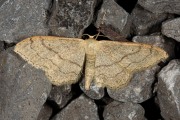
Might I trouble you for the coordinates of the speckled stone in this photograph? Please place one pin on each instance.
(161, 6)
(23, 89)
(171, 28)
(69, 18)
(20, 19)
(45, 112)
(81, 108)
(123, 111)
(168, 91)
(144, 22)
(114, 22)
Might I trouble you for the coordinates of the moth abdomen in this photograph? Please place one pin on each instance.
(89, 70)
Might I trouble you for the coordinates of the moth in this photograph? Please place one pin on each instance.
(107, 63)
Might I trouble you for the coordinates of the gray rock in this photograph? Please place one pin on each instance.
(171, 29)
(168, 91)
(161, 6)
(81, 108)
(45, 113)
(123, 111)
(113, 21)
(167, 44)
(23, 89)
(144, 21)
(94, 92)
(20, 19)
(139, 89)
(60, 94)
(71, 17)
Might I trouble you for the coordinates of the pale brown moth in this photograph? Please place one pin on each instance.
(107, 63)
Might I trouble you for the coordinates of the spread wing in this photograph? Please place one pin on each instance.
(61, 58)
(116, 62)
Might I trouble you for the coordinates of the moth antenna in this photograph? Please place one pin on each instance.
(97, 35)
(102, 22)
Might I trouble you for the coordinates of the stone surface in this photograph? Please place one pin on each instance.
(144, 21)
(94, 92)
(168, 91)
(60, 94)
(23, 89)
(138, 90)
(81, 108)
(114, 22)
(45, 112)
(69, 18)
(161, 6)
(123, 111)
(171, 29)
(20, 19)
(167, 44)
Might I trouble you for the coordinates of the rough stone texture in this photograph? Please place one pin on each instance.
(20, 19)
(161, 6)
(171, 29)
(23, 89)
(139, 89)
(113, 21)
(157, 40)
(61, 95)
(70, 17)
(123, 111)
(81, 108)
(144, 21)
(168, 91)
(94, 92)
(45, 113)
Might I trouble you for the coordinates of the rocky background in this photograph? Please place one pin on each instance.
(153, 94)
